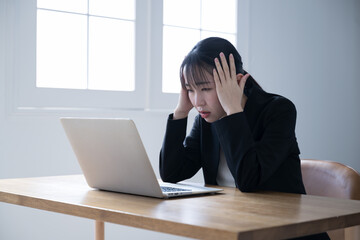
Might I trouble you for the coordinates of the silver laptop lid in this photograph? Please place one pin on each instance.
(111, 155)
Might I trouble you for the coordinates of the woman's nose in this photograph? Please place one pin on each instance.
(199, 99)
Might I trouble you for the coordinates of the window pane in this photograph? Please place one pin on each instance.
(184, 13)
(124, 9)
(61, 50)
(78, 6)
(230, 37)
(219, 15)
(111, 54)
(176, 44)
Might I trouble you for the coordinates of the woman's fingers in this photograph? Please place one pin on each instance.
(224, 71)
(219, 70)
(232, 66)
(229, 90)
(216, 78)
(225, 66)
(184, 105)
(243, 81)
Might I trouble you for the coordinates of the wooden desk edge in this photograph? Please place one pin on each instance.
(165, 226)
(126, 219)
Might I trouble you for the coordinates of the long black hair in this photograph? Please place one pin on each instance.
(201, 59)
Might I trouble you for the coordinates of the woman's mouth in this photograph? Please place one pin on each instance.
(204, 114)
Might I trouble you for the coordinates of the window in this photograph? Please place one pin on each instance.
(70, 92)
(185, 22)
(86, 44)
(88, 68)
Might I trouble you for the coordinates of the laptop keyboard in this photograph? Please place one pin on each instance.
(172, 189)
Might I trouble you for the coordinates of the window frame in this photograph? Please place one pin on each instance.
(20, 60)
(21, 46)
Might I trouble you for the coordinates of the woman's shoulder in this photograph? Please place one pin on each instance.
(266, 100)
(281, 102)
(279, 107)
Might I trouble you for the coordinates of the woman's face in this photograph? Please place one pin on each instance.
(204, 98)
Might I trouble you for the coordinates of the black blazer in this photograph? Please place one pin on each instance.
(259, 145)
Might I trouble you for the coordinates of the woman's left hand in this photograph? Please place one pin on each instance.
(229, 86)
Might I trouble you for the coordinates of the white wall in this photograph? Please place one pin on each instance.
(309, 51)
(305, 50)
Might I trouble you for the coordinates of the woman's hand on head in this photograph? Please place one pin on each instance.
(184, 105)
(229, 85)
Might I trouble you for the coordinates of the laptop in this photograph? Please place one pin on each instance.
(112, 157)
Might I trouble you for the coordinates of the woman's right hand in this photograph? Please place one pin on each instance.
(184, 105)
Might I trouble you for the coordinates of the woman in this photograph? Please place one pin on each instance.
(243, 136)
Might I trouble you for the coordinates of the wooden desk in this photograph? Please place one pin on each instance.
(229, 215)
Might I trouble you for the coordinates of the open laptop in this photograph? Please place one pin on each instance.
(112, 157)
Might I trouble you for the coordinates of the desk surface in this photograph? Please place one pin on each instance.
(229, 215)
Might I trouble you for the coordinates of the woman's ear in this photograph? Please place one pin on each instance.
(238, 77)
